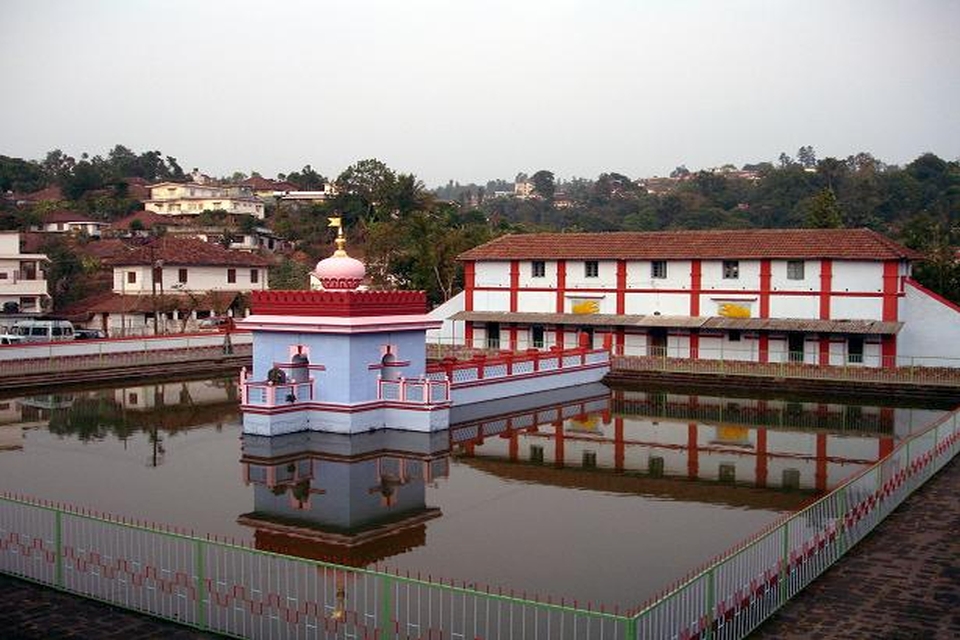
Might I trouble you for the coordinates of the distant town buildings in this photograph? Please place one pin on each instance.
(176, 198)
(23, 284)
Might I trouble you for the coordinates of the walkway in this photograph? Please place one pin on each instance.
(902, 582)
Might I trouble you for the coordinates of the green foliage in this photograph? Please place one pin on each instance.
(21, 176)
(822, 211)
(543, 184)
(289, 275)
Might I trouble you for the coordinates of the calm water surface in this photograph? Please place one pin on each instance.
(598, 496)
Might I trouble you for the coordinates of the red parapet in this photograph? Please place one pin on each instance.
(339, 303)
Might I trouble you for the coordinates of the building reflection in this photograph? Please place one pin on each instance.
(157, 408)
(358, 500)
(354, 500)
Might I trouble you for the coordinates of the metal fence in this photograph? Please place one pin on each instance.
(232, 589)
(900, 369)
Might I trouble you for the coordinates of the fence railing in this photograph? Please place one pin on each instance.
(484, 366)
(230, 588)
(414, 390)
(897, 369)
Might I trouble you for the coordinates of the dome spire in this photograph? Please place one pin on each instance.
(340, 240)
(339, 272)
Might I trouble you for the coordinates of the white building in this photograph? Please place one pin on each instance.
(22, 279)
(63, 221)
(819, 296)
(177, 279)
(179, 199)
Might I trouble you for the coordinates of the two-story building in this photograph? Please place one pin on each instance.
(22, 279)
(184, 199)
(170, 283)
(65, 221)
(819, 296)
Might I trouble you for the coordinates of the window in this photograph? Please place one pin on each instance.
(589, 459)
(794, 269)
(734, 335)
(131, 277)
(231, 275)
(731, 269)
(182, 276)
(855, 350)
(254, 276)
(538, 269)
(3, 275)
(658, 269)
(536, 336)
(591, 269)
(536, 454)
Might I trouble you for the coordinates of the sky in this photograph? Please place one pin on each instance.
(476, 90)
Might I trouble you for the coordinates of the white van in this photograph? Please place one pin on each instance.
(36, 330)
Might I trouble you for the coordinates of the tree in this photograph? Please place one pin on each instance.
(20, 176)
(823, 211)
(306, 179)
(364, 188)
(680, 172)
(543, 184)
(807, 157)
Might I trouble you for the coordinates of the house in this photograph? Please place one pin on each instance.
(170, 283)
(177, 199)
(145, 223)
(22, 278)
(265, 187)
(817, 296)
(64, 221)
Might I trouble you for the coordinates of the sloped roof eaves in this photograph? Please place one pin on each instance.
(779, 325)
(188, 252)
(842, 244)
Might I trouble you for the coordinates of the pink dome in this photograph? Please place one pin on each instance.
(340, 272)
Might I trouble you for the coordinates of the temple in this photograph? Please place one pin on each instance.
(344, 359)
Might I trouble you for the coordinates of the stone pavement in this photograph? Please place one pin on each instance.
(901, 582)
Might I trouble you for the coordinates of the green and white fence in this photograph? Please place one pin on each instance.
(232, 589)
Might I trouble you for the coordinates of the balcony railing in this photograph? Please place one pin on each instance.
(414, 390)
(264, 393)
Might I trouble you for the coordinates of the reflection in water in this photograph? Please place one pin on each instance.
(349, 499)
(586, 494)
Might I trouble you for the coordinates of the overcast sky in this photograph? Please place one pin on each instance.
(475, 90)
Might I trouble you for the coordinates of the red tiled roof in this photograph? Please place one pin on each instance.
(64, 215)
(52, 193)
(842, 244)
(148, 219)
(175, 250)
(110, 302)
(104, 249)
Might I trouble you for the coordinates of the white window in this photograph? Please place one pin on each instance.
(658, 269)
(794, 269)
(591, 269)
(731, 269)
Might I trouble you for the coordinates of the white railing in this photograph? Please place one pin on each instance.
(263, 393)
(428, 390)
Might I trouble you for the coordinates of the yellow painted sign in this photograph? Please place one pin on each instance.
(733, 434)
(731, 310)
(585, 306)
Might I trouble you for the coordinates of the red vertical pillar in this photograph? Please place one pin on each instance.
(559, 444)
(619, 446)
(621, 287)
(764, 347)
(514, 446)
(693, 452)
(514, 284)
(886, 448)
(695, 285)
(469, 283)
(513, 337)
(824, 350)
(561, 284)
(891, 289)
(761, 457)
(694, 344)
(826, 285)
(766, 278)
(888, 352)
(821, 477)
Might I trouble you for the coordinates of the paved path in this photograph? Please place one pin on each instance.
(902, 582)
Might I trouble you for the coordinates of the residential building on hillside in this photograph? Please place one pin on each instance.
(818, 296)
(169, 284)
(145, 223)
(64, 221)
(22, 279)
(177, 198)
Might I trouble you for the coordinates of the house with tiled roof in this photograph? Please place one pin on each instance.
(818, 296)
(65, 221)
(171, 283)
(191, 199)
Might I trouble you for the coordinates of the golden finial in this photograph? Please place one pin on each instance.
(340, 239)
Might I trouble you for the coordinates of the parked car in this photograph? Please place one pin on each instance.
(215, 322)
(43, 330)
(89, 334)
(6, 338)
